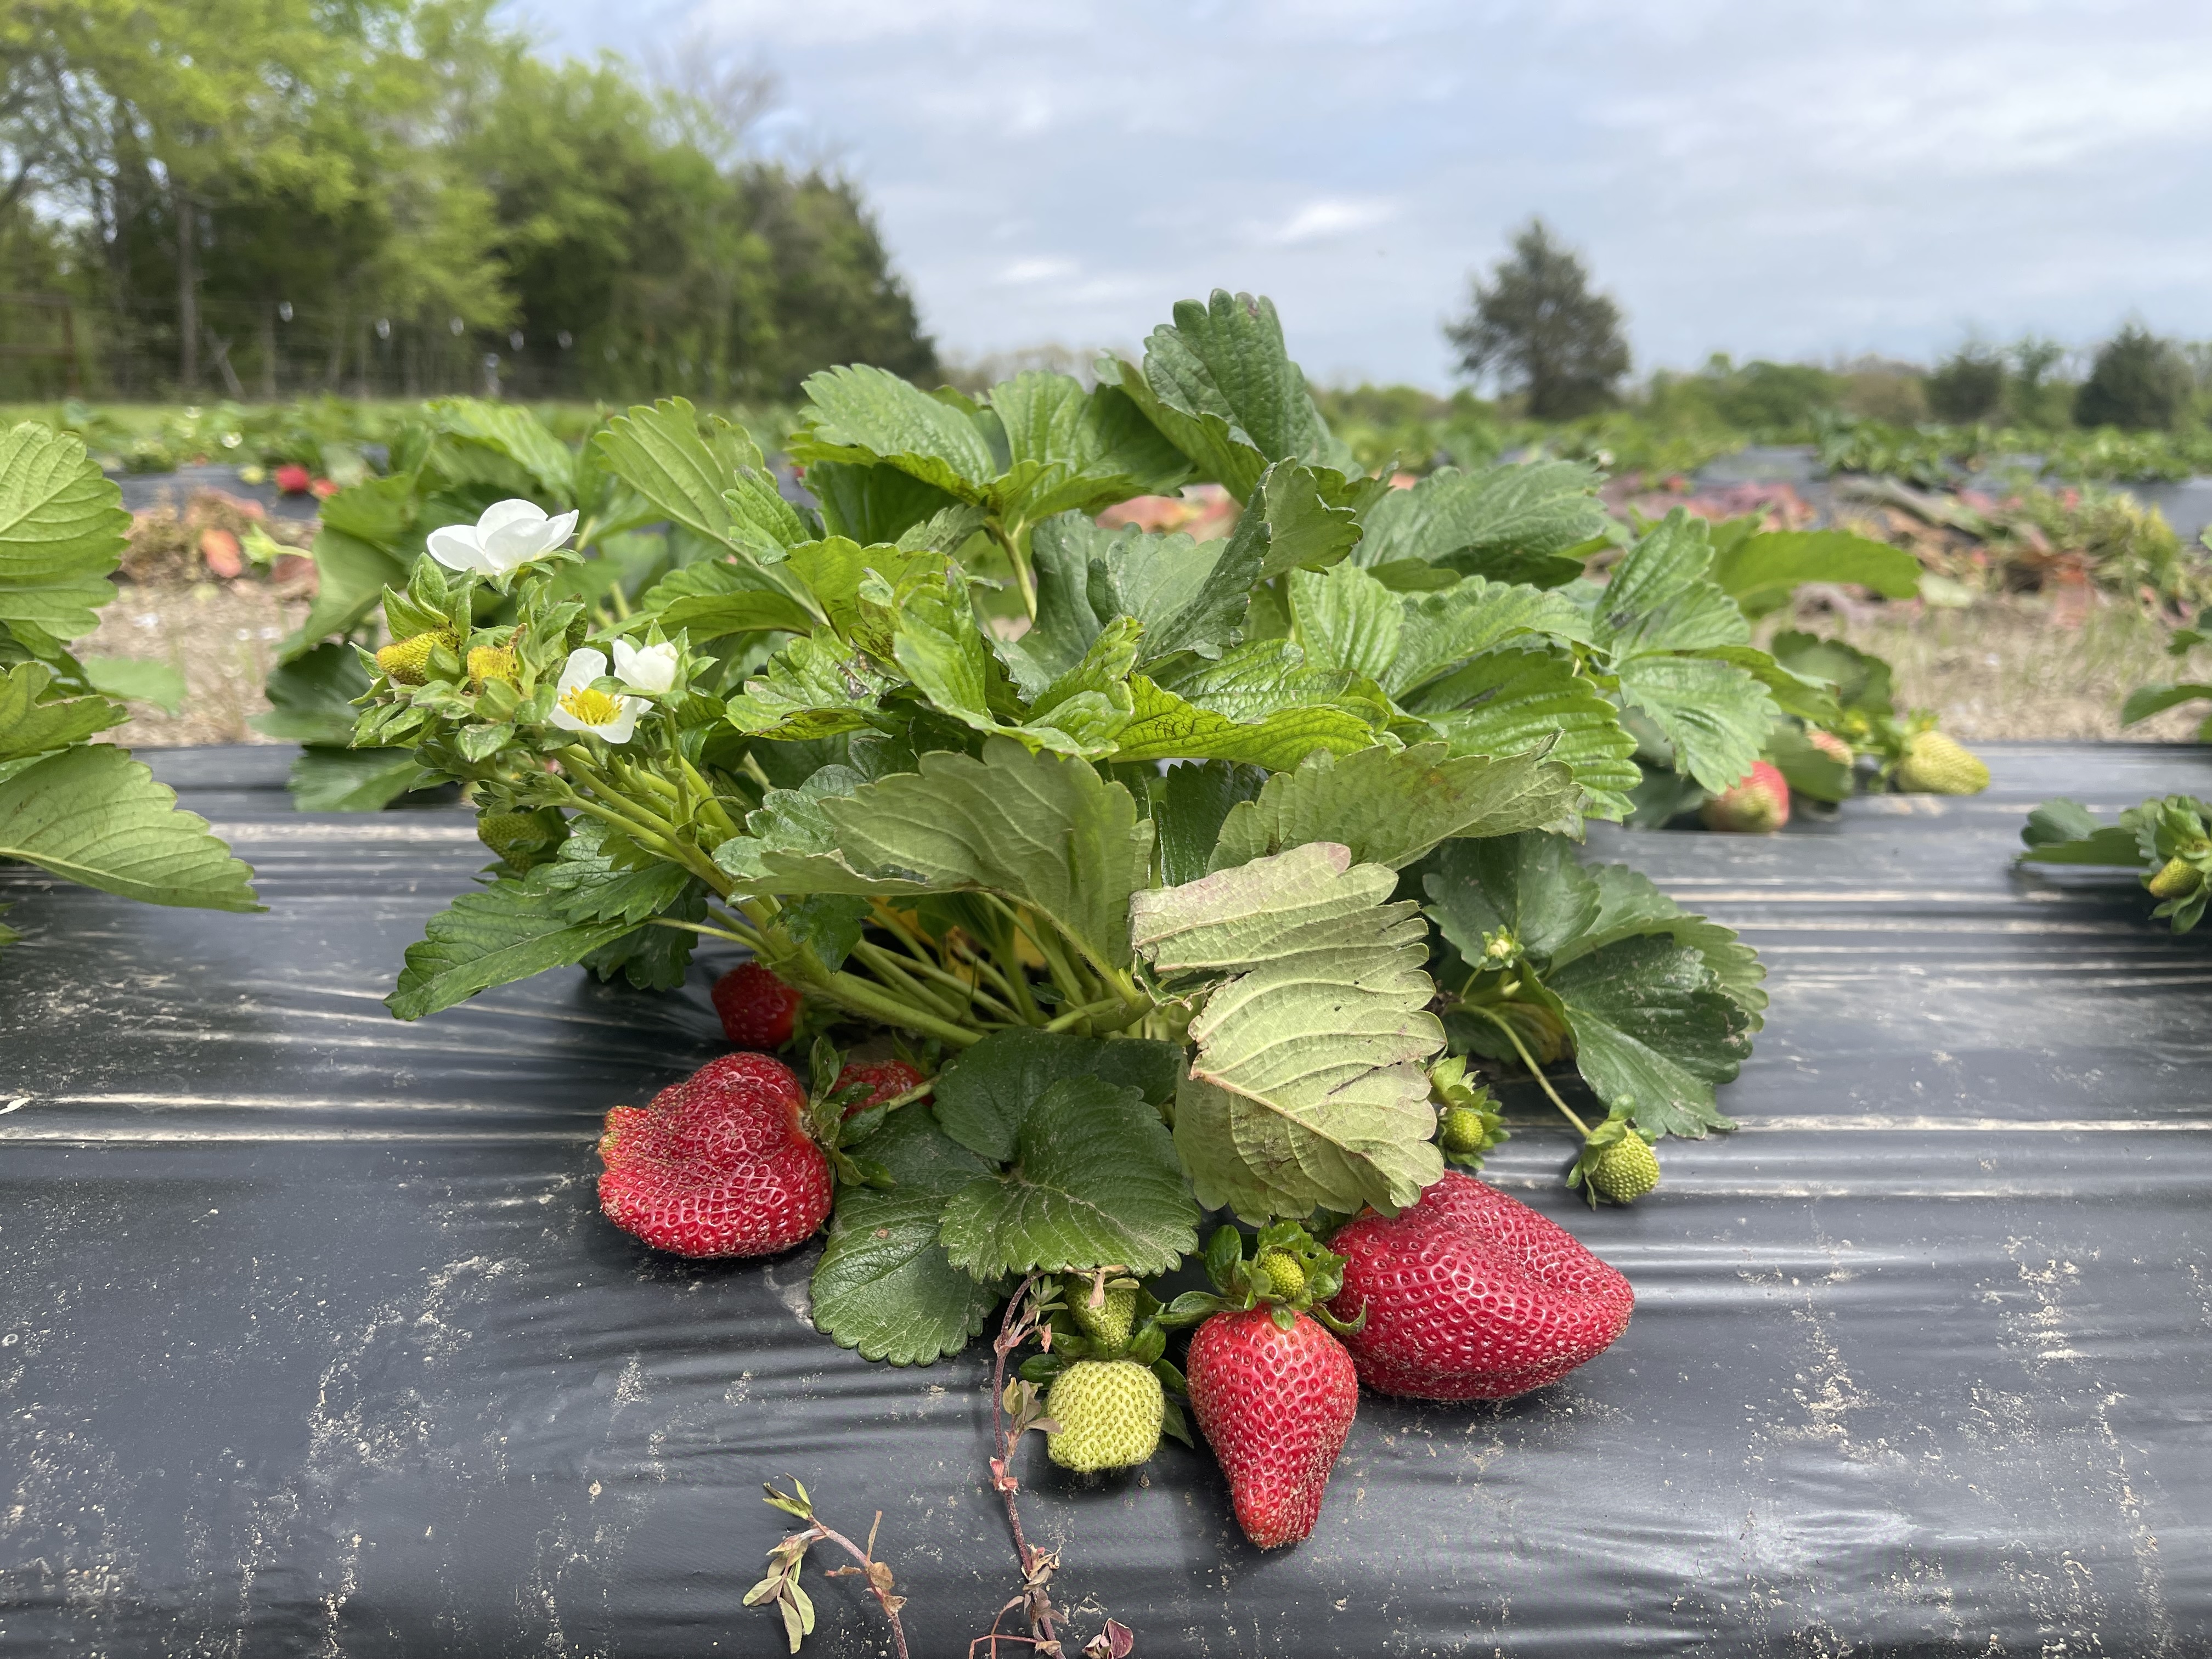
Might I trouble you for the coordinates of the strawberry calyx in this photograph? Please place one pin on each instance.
(1288, 1270)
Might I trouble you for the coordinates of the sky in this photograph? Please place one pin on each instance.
(1766, 178)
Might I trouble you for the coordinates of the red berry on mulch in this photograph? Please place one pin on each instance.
(718, 1165)
(758, 1010)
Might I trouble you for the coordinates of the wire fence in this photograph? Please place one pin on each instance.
(52, 347)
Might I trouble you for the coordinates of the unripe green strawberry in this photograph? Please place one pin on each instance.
(1109, 1412)
(1463, 1130)
(2178, 878)
(1279, 1272)
(523, 839)
(1936, 765)
(405, 661)
(1625, 1170)
(1109, 1326)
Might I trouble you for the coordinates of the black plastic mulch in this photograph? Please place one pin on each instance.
(312, 1340)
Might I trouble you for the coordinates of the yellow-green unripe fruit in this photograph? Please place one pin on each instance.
(404, 660)
(493, 662)
(1278, 1271)
(1625, 1170)
(1109, 1412)
(1936, 765)
(523, 839)
(2178, 878)
(1109, 1326)
(1463, 1130)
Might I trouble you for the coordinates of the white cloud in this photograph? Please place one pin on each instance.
(1024, 273)
(1331, 217)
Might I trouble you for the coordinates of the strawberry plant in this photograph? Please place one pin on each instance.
(82, 810)
(2169, 842)
(1193, 876)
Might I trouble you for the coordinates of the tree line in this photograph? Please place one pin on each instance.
(269, 196)
(1558, 348)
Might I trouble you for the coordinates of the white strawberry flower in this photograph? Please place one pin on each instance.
(508, 535)
(651, 669)
(579, 706)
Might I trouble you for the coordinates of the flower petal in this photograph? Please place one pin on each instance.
(651, 670)
(508, 514)
(455, 547)
(557, 532)
(619, 729)
(583, 665)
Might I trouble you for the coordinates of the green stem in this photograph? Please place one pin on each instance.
(849, 991)
(922, 965)
(1536, 1070)
(1024, 579)
(1079, 1016)
(886, 968)
(699, 928)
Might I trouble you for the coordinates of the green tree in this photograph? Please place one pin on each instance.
(1967, 385)
(1539, 328)
(2138, 381)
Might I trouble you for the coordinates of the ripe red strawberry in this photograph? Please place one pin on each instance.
(758, 1010)
(292, 478)
(1471, 1295)
(1275, 1405)
(1758, 805)
(718, 1164)
(885, 1079)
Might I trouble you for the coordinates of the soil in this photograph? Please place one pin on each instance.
(222, 635)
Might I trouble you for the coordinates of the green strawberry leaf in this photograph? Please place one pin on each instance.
(1345, 619)
(311, 697)
(1220, 384)
(137, 679)
(1655, 1034)
(872, 504)
(1045, 831)
(93, 815)
(1660, 599)
(512, 431)
(1291, 524)
(659, 452)
(982, 1095)
(562, 912)
(62, 530)
(1715, 713)
(1629, 904)
(1508, 701)
(29, 727)
(1806, 770)
(1306, 1087)
(714, 597)
(328, 779)
(1443, 627)
(1861, 682)
(1390, 807)
(814, 687)
(1076, 451)
(1164, 725)
(1539, 510)
(1760, 572)
(1191, 800)
(2156, 698)
(1530, 884)
(866, 415)
(1094, 1180)
(2066, 832)
(884, 1284)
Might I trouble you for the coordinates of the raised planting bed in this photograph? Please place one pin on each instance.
(313, 1338)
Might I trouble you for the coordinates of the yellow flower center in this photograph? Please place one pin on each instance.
(594, 708)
